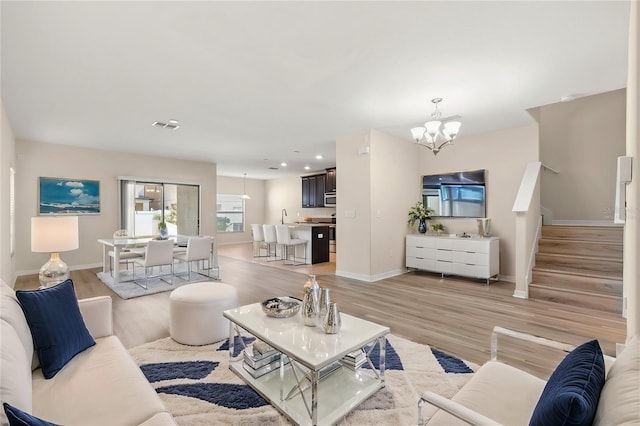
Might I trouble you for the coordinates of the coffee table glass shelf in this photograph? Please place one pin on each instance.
(311, 385)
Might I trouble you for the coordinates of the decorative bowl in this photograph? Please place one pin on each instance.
(281, 307)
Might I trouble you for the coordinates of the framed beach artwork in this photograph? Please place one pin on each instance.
(68, 196)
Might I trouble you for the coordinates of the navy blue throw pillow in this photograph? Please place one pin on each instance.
(18, 417)
(56, 325)
(571, 395)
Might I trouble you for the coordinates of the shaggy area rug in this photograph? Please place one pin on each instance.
(198, 388)
(127, 289)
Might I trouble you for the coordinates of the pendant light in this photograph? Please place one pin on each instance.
(435, 135)
(244, 192)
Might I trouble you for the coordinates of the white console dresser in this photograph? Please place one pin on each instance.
(469, 257)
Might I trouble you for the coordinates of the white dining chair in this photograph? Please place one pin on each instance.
(259, 243)
(157, 253)
(126, 255)
(198, 250)
(271, 240)
(288, 246)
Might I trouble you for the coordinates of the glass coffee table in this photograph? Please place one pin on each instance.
(310, 385)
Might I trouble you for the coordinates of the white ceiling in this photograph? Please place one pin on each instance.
(257, 83)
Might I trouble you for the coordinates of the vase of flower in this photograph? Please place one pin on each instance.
(420, 213)
(162, 229)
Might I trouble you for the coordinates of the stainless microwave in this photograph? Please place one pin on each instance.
(330, 199)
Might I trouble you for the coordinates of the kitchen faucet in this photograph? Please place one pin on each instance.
(282, 215)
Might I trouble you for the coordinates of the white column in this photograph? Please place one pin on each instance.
(631, 275)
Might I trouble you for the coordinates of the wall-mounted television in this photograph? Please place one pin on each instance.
(457, 194)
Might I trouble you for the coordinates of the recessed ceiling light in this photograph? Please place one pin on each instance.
(307, 167)
(319, 157)
(283, 164)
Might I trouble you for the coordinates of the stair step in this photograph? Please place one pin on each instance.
(586, 299)
(585, 265)
(579, 282)
(601, 249)
(597, 233)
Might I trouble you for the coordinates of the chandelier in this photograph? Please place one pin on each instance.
(434, 135)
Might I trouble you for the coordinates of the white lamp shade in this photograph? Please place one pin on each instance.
(452, 128)
(54, 233)
(432, 128)
(417, 133)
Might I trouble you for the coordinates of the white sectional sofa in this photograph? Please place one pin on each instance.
(499, 394)
(102, 385)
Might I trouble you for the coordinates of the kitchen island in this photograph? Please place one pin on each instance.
(317, 236)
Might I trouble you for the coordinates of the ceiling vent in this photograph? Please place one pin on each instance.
(170, 125)
(273, 168)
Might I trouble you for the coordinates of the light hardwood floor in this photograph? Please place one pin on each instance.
(452, 314)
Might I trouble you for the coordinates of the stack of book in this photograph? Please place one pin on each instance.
(354, 359)
(260, 359)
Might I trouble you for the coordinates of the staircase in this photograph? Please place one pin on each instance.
(579, 265)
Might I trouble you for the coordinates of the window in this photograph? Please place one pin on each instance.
(230, 213)
(145, 204)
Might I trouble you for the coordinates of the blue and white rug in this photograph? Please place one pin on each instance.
(198, 388)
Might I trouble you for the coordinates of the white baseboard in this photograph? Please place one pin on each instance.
(520, 294)
(507, 278)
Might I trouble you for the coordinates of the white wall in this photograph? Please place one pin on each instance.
(7, 161)
(52, 160)
(504, 155)
(353, 211)
(379, 187)
(254, 207)
(286, 193)
(394, 171)
(582, 140)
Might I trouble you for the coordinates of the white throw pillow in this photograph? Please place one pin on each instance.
(620, 398)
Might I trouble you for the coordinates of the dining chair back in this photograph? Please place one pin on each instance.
(157, 253)
(198, 250)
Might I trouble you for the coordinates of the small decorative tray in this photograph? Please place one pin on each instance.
(281, 307)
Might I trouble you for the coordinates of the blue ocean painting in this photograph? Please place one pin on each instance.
(69, 196)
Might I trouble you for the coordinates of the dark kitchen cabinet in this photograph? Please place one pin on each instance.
(320, 190)
(306, 200)
(313, 188)
(319, 244)
(330, 180)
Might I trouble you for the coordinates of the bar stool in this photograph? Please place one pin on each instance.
(287, 243)
(258, 240)
(271, 240)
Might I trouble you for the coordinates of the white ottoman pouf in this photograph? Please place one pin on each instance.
(196, 312)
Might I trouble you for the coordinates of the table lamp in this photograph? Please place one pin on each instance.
(53, 234)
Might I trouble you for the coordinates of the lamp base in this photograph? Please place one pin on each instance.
(54, 272)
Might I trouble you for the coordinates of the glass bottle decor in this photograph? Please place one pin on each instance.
(332, 321)
(311, 282)
(310, 307)
(325, 301)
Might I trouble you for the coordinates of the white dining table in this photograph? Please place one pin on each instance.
(120, 244)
